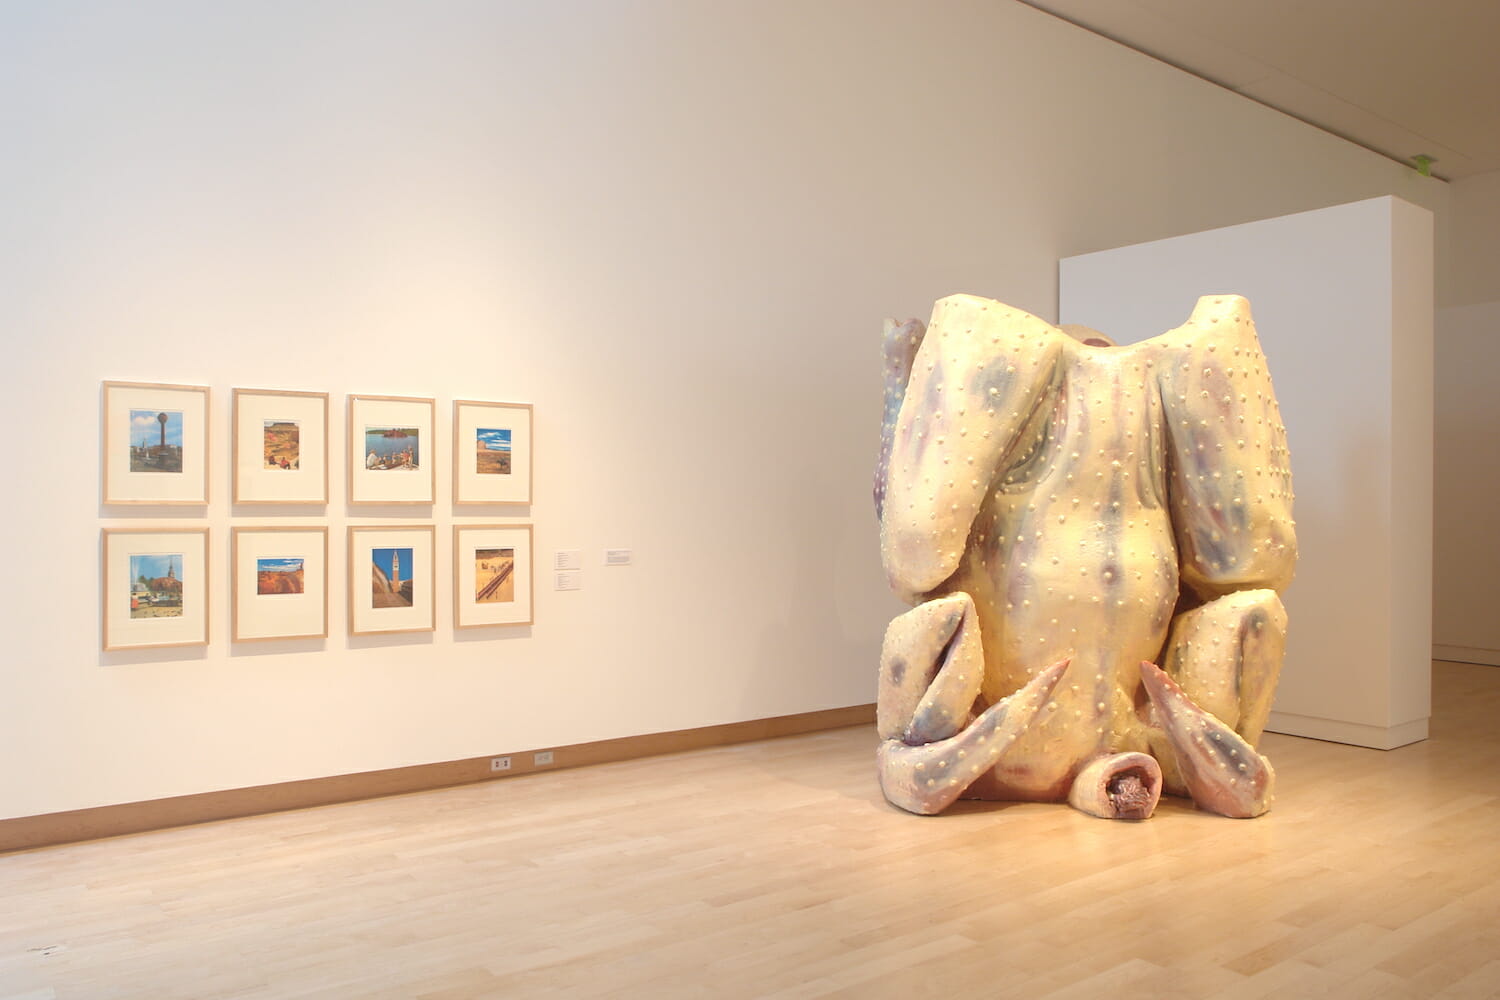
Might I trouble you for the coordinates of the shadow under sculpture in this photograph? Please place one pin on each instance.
(1064, 515)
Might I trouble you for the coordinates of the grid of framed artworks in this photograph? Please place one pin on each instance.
(156, 579)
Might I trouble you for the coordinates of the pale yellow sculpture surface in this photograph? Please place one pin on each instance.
(1064, 515)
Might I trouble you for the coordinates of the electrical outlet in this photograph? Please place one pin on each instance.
(544, 757)
(499, 763)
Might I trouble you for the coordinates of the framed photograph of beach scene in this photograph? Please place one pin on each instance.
(392, 578)
(491, 452)
(155, 440)
(280, 583)
(280, 447)
(391, 454)
(154, 587)
(492, 575)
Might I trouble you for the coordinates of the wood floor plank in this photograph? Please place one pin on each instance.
(775, 869)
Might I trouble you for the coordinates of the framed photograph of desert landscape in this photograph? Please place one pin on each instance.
(155, 587)
(155, 440)
(492, 575)
(392, 578)
(491, 452)
(280, 447)
(391, 458)
(280, 583)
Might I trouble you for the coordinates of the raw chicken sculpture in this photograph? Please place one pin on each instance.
(1065, 514)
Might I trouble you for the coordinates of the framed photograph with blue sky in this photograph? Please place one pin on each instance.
(392, 578)
(280, 583)
(391, 454)
(491, 452)
(155, 443)
(155, 587)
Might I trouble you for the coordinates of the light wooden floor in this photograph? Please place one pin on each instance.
(776, 870)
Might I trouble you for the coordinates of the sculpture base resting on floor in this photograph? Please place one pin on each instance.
(1065, 515)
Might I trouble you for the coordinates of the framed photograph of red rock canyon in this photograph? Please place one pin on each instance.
(280, 583)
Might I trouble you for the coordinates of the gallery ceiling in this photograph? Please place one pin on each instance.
(1401, 78)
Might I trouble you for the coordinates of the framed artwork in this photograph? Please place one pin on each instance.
(391, 458)
(155, 587)
(492, 575)
(280, 583)
(491, 452)
(280, 446)
(391, 578)
(155, 443)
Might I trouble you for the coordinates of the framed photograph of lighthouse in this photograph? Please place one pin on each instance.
(391, 453)
(280, 447)
(491, 452)
(155, 442)
(492, 575)
(392, 578)
(280, 583)
(155, 587)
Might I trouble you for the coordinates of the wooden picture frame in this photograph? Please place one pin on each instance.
(154, 587)
(155, 439)
(280, 447)
(279, 586)
(391, 455)
(492, 455)
(392, 578)
(493, 575)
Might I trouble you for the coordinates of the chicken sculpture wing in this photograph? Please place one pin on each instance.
(1094, 538)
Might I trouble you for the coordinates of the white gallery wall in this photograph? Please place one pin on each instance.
(1343, 304)
(673, 228)
(1466, 544)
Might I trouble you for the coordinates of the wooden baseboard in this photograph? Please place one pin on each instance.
(50, 829)
(1353, 733)
(1466, 654)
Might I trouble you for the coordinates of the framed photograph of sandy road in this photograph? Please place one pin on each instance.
(391, 454)
(491, 452)
(155, 587)
(280, 447)
(279, 583)
(155, 443)
(392, 578)
(492, 575)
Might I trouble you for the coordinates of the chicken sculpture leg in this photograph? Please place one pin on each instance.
(1064, 516)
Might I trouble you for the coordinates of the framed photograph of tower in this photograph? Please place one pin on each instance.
(280, 447)
(154, 587)
(280, 583)
(492, 575)
(391, 455)
(155, 443)
(392, 578)
(491, 452)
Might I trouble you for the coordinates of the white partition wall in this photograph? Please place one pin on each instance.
(1342, 299)
(1466, 413)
